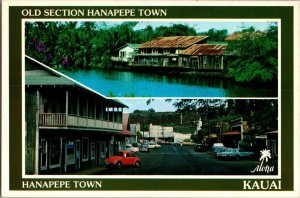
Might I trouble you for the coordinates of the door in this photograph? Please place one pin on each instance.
(98, 151)
(77, 154)
(102, 151)
(44, 154)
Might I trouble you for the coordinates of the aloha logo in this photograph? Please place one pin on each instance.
(265, 155)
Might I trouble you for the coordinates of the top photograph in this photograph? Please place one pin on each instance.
(161, 58)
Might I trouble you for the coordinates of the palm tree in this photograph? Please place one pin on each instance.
(265, 154)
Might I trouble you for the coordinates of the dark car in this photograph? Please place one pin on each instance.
(201, 147)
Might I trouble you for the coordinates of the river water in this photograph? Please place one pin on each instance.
(133, 84)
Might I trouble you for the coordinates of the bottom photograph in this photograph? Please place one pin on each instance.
(92, 135)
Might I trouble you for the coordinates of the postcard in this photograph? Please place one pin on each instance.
(150, 99)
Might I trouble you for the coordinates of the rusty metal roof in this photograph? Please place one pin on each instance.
(173, 42)
(205, 49)
(239, 35)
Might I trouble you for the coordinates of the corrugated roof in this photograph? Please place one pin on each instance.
(47, 80)
(132, 45)
(57, 78)
(173, 42)
(205, 49)
(239, 35)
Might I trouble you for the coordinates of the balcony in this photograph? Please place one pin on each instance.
(63, 120)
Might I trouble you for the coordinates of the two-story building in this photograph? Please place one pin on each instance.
(164, 51)
(190, 52)
(68, 126)
(204, 56)
(158, 132)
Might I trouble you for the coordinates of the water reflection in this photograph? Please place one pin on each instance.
(124, 83)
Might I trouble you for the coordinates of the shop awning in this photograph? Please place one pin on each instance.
(125, 133)
(232, 133)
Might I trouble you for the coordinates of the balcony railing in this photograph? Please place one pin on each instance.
(60, 119)
(52, 119)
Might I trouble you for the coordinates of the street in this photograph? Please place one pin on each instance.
(177, 160)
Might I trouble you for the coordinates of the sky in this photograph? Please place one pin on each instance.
(202, 26)
(159, 105)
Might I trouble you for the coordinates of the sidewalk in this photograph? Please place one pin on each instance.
(89, 171)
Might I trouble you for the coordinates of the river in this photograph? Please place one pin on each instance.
(133, 84)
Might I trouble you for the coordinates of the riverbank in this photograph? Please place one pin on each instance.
(173, 71)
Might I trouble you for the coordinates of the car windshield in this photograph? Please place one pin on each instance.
(120, 154)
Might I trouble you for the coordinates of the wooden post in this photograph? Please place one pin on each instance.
(222, 66)
(87, 111)
(37, 145)
(77, 109)
(67, 108)
(95, 116)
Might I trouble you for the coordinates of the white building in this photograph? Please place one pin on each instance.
(179, 137)
(160, 132)
(126, 53)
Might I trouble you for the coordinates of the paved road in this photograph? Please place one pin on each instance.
(177, 160)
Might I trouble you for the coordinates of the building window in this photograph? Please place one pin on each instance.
(55, 152)
(204, 60)
(70, 158)
(44, 152)
(93, 155)
(85, 149)
(122, 53)
(166, 51)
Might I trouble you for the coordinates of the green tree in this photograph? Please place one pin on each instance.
(255, 56)
(215, 35)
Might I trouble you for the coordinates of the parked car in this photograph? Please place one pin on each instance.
(235, 153)
(216, 149)
(201, 147)
(218, 144)
(123, 158)
(153, 145)
(129, 147)
(144, 148)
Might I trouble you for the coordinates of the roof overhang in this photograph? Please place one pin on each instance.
(68, 81)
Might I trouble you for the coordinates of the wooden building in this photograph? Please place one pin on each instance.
(164, 51)
(68, 126)
(203, 56)
(190, 52)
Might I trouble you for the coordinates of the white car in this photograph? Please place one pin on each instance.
(129, 147)
(153, 145)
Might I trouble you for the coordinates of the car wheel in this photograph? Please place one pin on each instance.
(137, 164)
(119, 164)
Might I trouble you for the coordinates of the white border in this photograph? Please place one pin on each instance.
(5, 111)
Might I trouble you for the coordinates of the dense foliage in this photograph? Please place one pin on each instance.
(262, 115)
(88, 44)
(255, 55)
